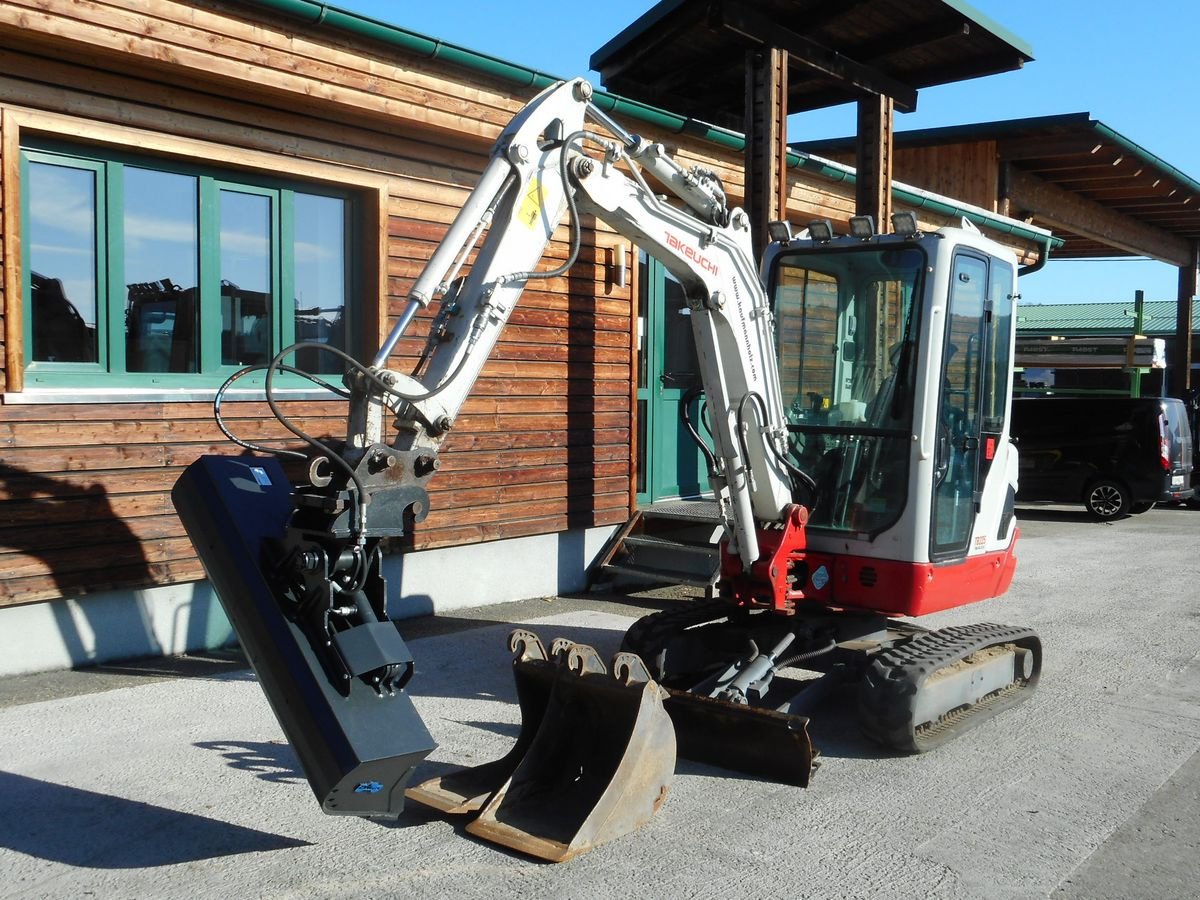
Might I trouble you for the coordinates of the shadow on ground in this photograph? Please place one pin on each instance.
(88, 829)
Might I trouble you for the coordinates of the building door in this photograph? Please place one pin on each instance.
(669, 462)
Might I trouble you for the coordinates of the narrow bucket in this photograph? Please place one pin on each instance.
(599, 764)
(466, 790)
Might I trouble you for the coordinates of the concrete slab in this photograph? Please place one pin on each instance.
(182, 787)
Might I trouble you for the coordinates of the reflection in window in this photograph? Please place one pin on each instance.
(319, 258)
(245, 279)
(161, 271)
(847, 334)
(145, 272)
(62, 256)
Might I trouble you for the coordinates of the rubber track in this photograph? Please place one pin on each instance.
(647, 636)
(889, 687)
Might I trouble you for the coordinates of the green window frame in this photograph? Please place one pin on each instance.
(209, 360)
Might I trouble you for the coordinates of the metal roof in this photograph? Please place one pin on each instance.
(689, 55)
(1099, 318)
(1079, 155)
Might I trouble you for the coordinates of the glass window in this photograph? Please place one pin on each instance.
(319, 254)
(162, 271)
(1000, 334)
(62, 237)
(149, 273)
(246, 279)
(847, 336)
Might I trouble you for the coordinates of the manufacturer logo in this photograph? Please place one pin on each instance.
(689, 252)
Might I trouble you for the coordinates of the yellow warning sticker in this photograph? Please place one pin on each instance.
(531, 205)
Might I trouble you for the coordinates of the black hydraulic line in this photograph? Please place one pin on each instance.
(710, 459)
(248, 370)
(795, 470)
(807, 654)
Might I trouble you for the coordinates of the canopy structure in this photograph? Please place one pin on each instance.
(748, 65)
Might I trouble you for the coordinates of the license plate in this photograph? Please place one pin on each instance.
(1176, 481)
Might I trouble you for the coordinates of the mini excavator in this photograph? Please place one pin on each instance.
(857, 394)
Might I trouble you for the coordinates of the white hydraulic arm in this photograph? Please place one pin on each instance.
(538, 171)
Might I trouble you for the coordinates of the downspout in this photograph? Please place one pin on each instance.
(1042, 259)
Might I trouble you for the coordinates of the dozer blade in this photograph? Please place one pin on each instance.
(599, 762)
(763, 743)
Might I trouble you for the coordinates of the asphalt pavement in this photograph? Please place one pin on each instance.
(171, 778)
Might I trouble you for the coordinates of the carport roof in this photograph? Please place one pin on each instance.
(1099, 318)
(1078, 155)
(689, 55)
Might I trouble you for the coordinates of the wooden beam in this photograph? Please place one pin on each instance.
(742, 19)
(766, 141)
(873, 160)
(1181, 365)
(1087, 218)
(1048, 147)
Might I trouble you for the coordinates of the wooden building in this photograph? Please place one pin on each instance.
(189, 185)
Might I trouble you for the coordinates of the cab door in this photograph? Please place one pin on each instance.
(957, 470)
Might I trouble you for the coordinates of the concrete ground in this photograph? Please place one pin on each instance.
(170, 778)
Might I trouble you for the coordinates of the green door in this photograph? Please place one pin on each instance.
(669, 463)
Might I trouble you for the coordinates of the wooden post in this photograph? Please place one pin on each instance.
(766, 141)
(1181, 375)
(873, 189)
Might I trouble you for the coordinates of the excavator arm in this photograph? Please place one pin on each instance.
(540, 170)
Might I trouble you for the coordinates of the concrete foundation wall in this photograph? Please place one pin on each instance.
(117, 625)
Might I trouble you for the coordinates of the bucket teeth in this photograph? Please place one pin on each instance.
(593, 761)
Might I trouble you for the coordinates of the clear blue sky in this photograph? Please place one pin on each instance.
(1133, 67)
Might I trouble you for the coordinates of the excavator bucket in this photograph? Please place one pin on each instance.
(593, 763)
(467, 790)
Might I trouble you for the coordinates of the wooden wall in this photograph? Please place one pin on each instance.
(967, 171)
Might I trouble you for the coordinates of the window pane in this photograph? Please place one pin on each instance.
(62, 256)
(161, 252)
(847, 333)
(246, 282)
(996, 379)
(319, 254)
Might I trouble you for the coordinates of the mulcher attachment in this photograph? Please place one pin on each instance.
(593, 761)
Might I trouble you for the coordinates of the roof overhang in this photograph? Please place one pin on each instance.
(689, 55)
(1101, 192)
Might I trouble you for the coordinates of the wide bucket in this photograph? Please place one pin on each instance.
(596, 764)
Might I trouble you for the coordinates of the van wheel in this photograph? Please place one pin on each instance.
(1144, 506)
(1107, 499)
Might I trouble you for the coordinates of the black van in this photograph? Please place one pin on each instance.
(1115, 455)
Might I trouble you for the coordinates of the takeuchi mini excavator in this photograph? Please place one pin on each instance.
(857, 393)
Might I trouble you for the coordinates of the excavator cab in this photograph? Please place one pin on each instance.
(895, 365)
